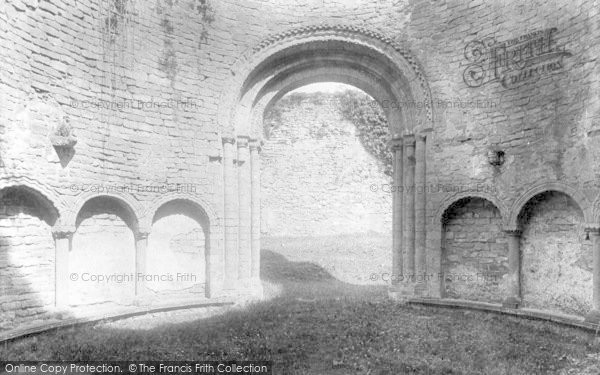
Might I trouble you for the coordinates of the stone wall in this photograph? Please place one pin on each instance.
(316, 174)
(557, 260)
(176, 256)
(102, 258)
(475, 252)
(26, 260)
(141, 84)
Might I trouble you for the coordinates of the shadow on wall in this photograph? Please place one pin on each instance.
(556, 259)
(102, 258)
(177, 251)
(26, 257)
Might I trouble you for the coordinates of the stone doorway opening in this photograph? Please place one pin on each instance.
(371, 62)
(326, 181)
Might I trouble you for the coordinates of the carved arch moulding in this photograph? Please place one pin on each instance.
(302, 52)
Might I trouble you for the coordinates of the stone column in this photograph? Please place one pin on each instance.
(255, 226)
(62, 247)
(409, 204)
(231, 220)
(594, 233)
(397, 194)
(513, 299)
(141, 246)
(420, 202)
(245, 217)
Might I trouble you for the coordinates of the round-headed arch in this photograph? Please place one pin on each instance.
(348, 54)
(198, 203)
(52, 204)
(560, 187)
(449, 200)
(130, 206)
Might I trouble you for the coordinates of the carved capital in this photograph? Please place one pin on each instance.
(242, 141)
(409, 140)
(512, 231)
(230, 140)
(255, 144)
(592, 228)
(395, 143)
(142, 235)
(59, 232)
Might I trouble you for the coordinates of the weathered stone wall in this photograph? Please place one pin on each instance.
(557, 260)
(316, 174)
(141, 83)
(176, 256)
(475, 252)
(26, 261)
(102, 258)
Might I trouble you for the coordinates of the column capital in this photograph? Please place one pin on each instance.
(255, 144)
(592, 228)
(395, 143)
(422, 131)
(230, 140)
(63, 231)
(242, 141)
(142, 233)
(409, 140)
(512, 230)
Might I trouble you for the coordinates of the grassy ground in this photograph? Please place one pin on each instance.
(320, 325)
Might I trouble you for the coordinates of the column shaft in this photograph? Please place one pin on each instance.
(397, 191)
(255, 227)
(513, 299)
(409, 204)
(596, 275)
(420, 201)
(231, 214)
(62, 246)
(245, 205)
(593, 231)
(141, 246)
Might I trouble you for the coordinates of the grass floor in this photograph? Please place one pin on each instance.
(319, 325)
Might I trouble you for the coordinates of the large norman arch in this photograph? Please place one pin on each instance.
(347, 54)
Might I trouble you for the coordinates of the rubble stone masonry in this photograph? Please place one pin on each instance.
(96, 95)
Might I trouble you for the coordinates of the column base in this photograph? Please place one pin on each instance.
(400, 292)
(593, 317)
(420, 289)
(511, 302)
(257, 288)
(143, 298)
